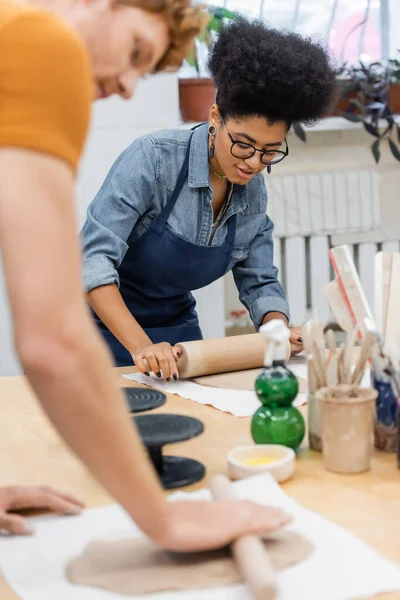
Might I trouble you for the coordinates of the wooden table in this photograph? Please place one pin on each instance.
(31, 452)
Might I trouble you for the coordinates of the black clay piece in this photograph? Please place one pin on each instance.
(140, 400)
(160, 429)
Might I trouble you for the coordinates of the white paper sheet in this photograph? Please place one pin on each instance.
(240, 403)
(298, 365)
(341, 567)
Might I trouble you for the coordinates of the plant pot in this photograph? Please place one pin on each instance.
(394, 97)
(342, 104)
(196, 96)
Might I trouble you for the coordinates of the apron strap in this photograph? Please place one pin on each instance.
(183, 175)
(230, 238)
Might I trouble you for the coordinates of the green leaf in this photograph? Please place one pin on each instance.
(222, 13)
(214, 24)
(371, 129)
(352, 117)
(376, 151)
(349, 86)
(191, 59)
(354, 103)
(202, 37)
(395, 149)
(299, 131)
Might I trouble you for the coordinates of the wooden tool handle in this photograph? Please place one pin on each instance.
(235, 353)
(249, 551)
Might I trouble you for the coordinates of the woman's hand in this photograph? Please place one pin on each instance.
(296, 340)
(159, 358)
(196, 526)
(22, 497)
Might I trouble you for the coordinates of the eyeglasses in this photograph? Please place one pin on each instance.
(243, 150)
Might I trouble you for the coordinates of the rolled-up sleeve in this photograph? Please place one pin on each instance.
(124, 197)
(256, 277)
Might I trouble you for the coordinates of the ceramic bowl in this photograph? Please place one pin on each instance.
(281, 468)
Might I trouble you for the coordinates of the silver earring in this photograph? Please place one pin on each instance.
(212, 131)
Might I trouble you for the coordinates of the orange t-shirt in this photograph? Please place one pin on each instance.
(46, 83)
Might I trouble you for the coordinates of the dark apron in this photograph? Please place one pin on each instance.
(157, 274)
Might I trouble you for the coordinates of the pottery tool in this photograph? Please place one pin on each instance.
(332, 361)
(338, 305)
(386, 381)
(235, 353)
(383, 271)
(248, 551)
(392, 330)
(341, 368)
(362, 360)
(348, 353)
(315, 364)
(312, 374)
(331, 365)
(327, 369)
(350, 286)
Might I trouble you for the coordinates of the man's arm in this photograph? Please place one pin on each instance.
(62, 355)
(70, 369)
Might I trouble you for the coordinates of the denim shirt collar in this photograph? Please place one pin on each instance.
(199, 171)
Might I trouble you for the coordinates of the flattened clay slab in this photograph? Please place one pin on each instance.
(239, 380)
(135, 566)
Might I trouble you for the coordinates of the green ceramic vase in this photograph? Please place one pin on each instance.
(277, 421)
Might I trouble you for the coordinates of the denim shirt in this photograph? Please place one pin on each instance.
(138, 187)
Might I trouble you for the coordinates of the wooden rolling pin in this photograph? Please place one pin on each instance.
(235, 353)
(249, 551)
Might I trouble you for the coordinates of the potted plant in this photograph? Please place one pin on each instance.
(197, 94)
(370, 94)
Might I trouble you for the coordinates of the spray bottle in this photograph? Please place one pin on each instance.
(277, 421)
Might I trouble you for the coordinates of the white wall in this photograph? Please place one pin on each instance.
(115, 123)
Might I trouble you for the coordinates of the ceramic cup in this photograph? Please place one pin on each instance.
(347, 418)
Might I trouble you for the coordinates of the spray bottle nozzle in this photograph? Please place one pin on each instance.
(276, 334)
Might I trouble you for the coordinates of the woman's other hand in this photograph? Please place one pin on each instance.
(296, 340)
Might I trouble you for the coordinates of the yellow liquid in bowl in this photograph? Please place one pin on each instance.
(257, 461)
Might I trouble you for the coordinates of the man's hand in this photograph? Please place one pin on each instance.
(14, 498)
(197, 526)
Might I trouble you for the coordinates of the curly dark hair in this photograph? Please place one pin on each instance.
(264, 72)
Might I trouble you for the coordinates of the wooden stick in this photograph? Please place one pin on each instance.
(235, 353)
(319, 363)
(348, 354)
(341, 373)
(362, 360)
(332, 362)
(249, 551)
(383, 271)
(392, 333)
(315, 379)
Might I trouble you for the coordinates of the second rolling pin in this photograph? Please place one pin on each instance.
(248, 551)
(224, 355)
